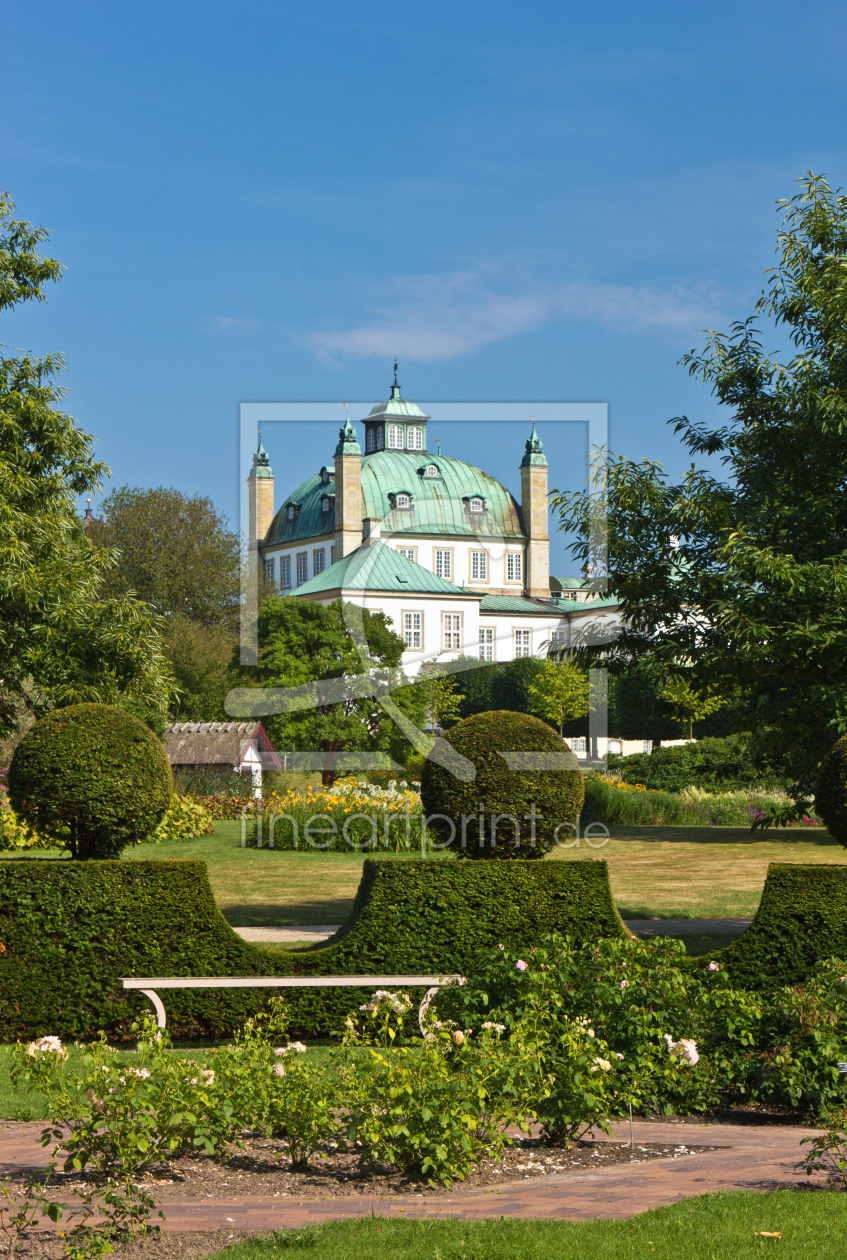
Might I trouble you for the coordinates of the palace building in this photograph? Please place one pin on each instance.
(440, 547)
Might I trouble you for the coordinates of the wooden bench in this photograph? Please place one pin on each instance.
(148, 985)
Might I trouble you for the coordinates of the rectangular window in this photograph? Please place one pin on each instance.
(411, 553)
(479, 566)
(452, 631)
(576, 743)
(412, 630)
(285, 571)
(414, 439)
(486, 643)
(523, 643)
(302, 568)
(270, 570)
(514, 567)
(395, 437)
(444, 565)
(332, 555)
(318, 561)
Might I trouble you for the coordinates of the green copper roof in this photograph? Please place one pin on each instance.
(570, 583)
(310, 521)
(395, 406)
(516, 604)
(439, 504)
(378, 568)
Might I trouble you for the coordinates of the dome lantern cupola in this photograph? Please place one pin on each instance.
(395, 425)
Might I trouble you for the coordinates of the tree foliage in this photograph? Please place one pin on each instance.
(174, 551)
(308, 646)
(62, 640)
(745, 579)
(560, 692)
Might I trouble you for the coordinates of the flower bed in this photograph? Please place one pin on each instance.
(349, 815)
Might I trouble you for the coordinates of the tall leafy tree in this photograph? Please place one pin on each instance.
(327, 701)
(741, 582)
(173, 550)
(559, 692)
(61, 640)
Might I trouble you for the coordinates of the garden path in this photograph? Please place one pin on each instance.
(753, 1158)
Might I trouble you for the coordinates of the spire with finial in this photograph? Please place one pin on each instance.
(534, 449)
(348, 443)
(395, 388)
(261, 462)
(88, 517)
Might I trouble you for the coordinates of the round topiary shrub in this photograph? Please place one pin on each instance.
(92, 777)
(512, 808)
(831, 791)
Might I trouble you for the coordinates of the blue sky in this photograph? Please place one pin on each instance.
(269, 200)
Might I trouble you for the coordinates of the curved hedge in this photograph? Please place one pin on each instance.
(92, 777)
(69, 932)
(831, 791)
(508, 810)
(801, 920)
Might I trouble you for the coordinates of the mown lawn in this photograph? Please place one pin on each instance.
(666, 872)
(710, 1227)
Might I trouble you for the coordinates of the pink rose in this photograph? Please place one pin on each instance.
(458, 1037)
(520, 965)
(714, 967)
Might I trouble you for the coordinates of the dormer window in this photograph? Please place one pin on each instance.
(395, 437)
(403, 502)
(292, 512)
(325, 505)
(432, 470)
(414, 438)
(476, 505)
(324, 477)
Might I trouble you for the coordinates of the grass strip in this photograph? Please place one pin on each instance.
(709, 1227)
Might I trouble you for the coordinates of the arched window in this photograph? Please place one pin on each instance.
(395, 437)
(291, 513)
(324, 477)
(324, 505)
(414, 439)
(476, 505)
(370, 441)
(431, 470)
(380, 438)
(403, 502)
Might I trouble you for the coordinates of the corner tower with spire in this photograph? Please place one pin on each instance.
(534, 511)
(260, 484)
(348, 491)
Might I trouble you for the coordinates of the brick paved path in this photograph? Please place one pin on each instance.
(755, 1159)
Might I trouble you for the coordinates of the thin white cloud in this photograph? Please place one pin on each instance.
(425, 318)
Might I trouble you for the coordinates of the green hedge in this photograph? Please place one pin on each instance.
(69, 931)
(801, 919)
(716, 764)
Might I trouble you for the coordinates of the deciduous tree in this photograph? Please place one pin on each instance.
(61, 640)
(745, 578)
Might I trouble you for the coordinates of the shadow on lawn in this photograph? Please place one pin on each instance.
(310, 911)
(786, 836)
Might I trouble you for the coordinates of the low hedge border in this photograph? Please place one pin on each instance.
(69, 931)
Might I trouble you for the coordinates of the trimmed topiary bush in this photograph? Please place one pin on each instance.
(831, 791)
(509, 810)
(92, 777)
